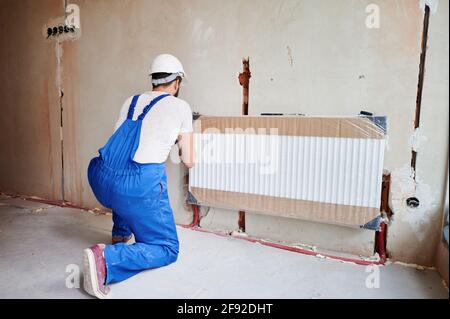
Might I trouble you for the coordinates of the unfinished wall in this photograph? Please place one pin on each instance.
(415, 233)
(110, 62)
(313, 57)
(30, 156)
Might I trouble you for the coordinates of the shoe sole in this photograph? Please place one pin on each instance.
(90, 282)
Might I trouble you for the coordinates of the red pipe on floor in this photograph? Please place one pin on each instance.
(195, 227)
(380, 236)
(288, 248)
(58, 203)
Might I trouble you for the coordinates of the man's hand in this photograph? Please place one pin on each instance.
(187, 151)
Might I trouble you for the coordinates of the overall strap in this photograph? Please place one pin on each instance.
(152, 104)
(132, 106)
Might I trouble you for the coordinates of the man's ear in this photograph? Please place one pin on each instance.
(174, 85)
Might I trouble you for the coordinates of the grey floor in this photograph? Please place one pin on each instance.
(41, 248)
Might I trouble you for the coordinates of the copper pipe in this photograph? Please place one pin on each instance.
(244, 81)
(423, 56)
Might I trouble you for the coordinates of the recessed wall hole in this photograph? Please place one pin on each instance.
(413, 202)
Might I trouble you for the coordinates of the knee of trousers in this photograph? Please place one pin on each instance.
(172, 253)
(168, 256)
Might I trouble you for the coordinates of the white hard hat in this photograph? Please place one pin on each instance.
(167, 63)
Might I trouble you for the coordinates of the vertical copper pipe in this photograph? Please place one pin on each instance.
(195, 216)
(423, 55)
(381, 235)
(385, 190)
(244, 81)
(381, 242)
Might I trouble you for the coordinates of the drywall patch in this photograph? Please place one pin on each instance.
(403, 187)
(432, 4)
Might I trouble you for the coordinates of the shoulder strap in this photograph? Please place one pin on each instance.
(132, 106)
(152, 104)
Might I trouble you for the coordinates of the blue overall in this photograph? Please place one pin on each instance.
(137, 195)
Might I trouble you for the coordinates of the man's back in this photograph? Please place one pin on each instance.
(160, 128)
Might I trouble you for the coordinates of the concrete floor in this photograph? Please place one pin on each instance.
(38, 242)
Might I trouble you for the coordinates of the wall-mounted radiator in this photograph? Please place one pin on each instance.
(320, 169)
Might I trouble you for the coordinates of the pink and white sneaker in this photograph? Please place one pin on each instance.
(95, 272)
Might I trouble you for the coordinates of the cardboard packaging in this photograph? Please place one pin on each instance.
(322, 169)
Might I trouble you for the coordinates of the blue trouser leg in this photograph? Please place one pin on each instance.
(120, 227)
(152, 223)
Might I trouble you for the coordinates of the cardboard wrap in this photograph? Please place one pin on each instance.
(355, 140)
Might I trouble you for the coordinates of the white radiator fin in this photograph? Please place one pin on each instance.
(345, 171)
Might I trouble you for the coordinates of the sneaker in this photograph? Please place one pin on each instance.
(95, 272)
(121, 239)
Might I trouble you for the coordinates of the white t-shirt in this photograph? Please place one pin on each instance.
(161, 126)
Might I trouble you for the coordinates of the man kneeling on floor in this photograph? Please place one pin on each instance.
(129, 177)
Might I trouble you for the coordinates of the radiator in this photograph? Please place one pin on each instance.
(319, 169)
